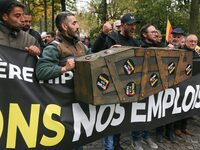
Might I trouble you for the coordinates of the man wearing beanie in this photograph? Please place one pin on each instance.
(11, 19)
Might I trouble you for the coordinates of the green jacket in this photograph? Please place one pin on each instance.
(47, 66)
(50, 63)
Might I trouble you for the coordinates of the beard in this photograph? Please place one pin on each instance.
(73, 34)
(25, 28)
(152, 41)
(128, 33)
(16, 28)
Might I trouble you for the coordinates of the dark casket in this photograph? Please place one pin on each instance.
(196, 65)
(129, 74)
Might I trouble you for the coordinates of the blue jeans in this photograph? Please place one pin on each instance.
(138, 135)
(111, 141)
(108, 142)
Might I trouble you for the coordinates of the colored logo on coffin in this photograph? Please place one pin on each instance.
(171, 68)
(130, 89)
(188, 69)
(129, 67)
(102, 82)
(153, 80)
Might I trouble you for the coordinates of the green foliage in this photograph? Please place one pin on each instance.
(148, 11)
(116, 8)
(94, 33)
(157, 11)
(87, 21)
(71, 5)
(153, 11)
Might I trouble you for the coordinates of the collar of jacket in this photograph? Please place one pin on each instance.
(146, 44)
(7, 30)
(72, 41)
(189, 49)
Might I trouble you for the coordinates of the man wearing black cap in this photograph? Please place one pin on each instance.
(11, 19)
(125, 37)
(177, 35)
(107, 39)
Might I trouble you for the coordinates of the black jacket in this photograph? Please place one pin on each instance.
(106, 41)
(37, 36)
(195, 55)
(144, 44)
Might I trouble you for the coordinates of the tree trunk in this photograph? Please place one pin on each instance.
(102, 12)
(52, 7)
(194, 15)
(63, 5)
(45, 15)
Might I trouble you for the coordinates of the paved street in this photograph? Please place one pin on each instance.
(185, 143)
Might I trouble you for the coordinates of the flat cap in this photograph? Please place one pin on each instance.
(178, 31)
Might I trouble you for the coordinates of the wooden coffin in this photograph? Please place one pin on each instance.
(127, 74)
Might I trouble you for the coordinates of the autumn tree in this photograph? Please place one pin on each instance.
(182, 13)
(70, 4)
(43, 11)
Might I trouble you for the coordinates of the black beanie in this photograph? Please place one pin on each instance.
(4, 6)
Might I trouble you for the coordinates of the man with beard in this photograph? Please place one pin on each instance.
(107, 39)
(176, 36)
(27, 28)
(11, 21)
(125, 37)
(58, 57)
(148, 34)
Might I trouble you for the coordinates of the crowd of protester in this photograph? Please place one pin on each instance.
(150, 36)
(66, 42)
(122, 33)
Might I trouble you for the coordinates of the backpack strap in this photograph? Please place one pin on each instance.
(55, 43)
(59, 46)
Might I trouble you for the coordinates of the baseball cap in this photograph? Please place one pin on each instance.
(128, 19)
(178, 31)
